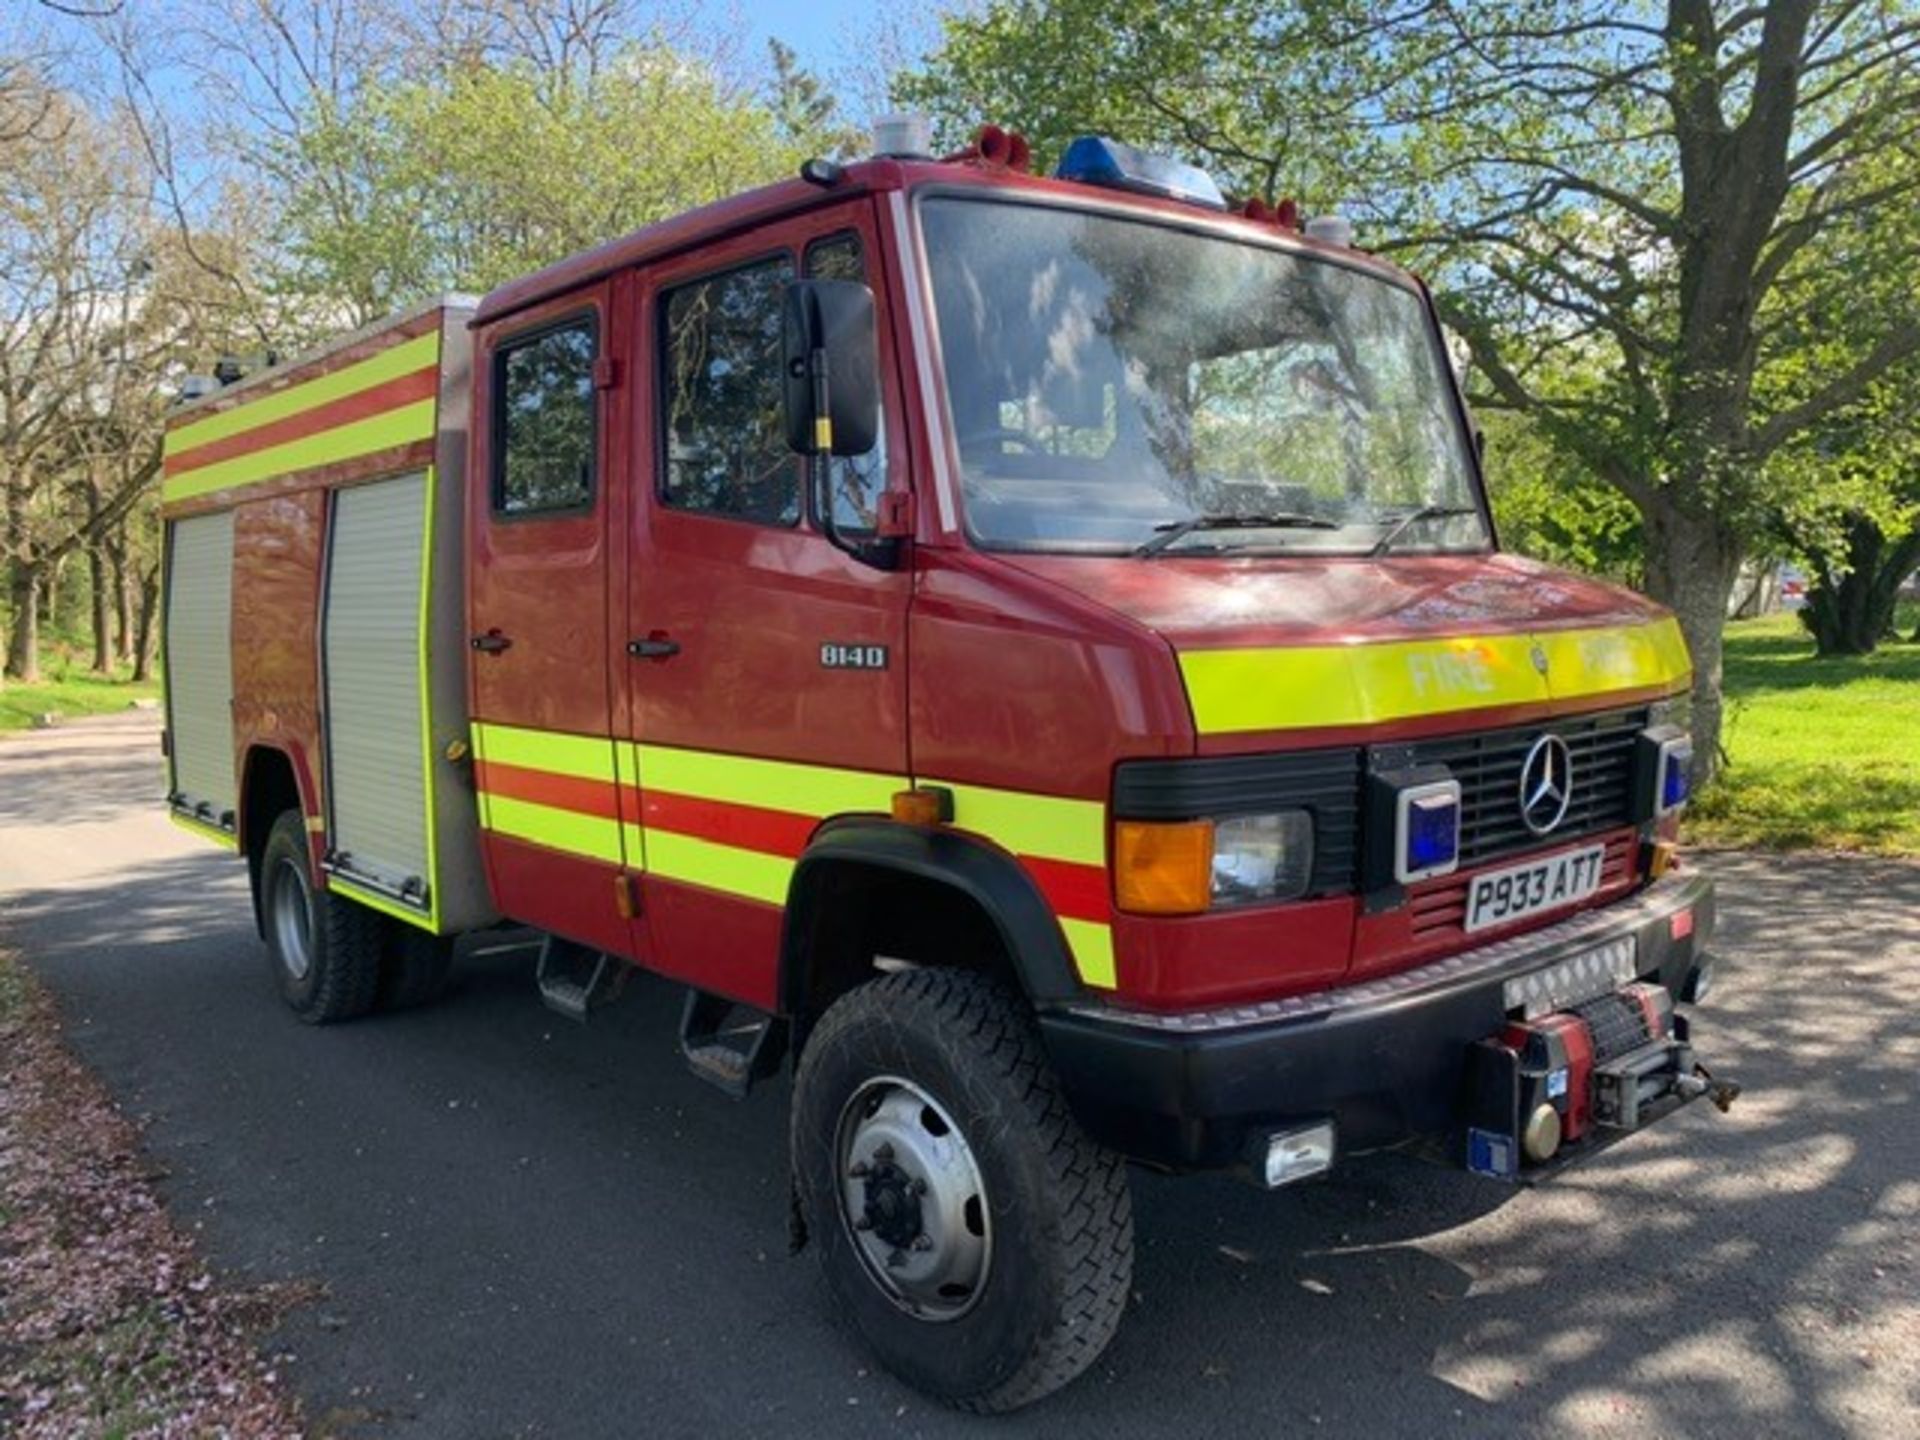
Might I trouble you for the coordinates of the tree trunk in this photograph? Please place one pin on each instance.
(1692, 562)
(47, 615)
(23, 638)
(143, 623)
(1851, 612)
(122, 598)
(97, 594)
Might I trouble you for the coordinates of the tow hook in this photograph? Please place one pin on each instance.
(1701, 1082)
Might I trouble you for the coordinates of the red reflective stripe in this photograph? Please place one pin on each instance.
(388, 395)
(772, 832)
(1075, 891)
(541, 787)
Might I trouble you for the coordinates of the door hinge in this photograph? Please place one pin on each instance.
(626, 896)
(606, 372)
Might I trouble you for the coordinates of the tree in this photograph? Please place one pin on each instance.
(1630, 184)
(99, 308)
(806, 113)
(465, 180)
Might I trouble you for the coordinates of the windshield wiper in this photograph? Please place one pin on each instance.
(1413, 517)
(1176, 530)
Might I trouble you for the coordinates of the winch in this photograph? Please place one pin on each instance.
(1547, 1088)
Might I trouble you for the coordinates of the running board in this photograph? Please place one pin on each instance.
(729, 1045)
(575, 981)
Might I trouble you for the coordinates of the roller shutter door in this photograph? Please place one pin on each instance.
(200, 665)
(372, 650)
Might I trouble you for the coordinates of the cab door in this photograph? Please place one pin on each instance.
(538, 613)
(767, 679)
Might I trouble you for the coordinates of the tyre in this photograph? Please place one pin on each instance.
(325, 950)
(413, 966)
(977, 1239)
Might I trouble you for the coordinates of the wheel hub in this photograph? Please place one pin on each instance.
(912, 1198)
(292, 909)
(893, 1205)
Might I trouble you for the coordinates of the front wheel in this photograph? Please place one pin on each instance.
(979, 1241)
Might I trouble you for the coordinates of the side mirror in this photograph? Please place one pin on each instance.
(831, 368)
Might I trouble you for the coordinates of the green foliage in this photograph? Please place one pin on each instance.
(463, 180)
(1555, 510)
(69, 691)
(1822, 750)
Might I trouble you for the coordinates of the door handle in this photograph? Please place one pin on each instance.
(491, 643)
(653, 647)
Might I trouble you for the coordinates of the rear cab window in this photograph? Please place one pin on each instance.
(544, 440)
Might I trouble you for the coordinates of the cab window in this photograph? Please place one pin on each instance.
(543, 420)
(721, 396)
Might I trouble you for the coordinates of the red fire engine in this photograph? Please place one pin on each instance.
(1030, 651)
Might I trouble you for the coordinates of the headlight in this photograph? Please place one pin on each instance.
(1262, 857)
(1186, 867)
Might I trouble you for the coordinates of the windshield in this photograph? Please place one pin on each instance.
(1110, 382)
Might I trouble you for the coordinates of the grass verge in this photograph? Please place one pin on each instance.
(111, 1326)
(1823, 754)
(69, 691)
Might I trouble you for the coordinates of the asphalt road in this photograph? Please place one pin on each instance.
(528, 1228)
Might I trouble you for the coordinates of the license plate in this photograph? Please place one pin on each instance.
(1500, 897)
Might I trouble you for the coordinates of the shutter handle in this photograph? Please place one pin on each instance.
(653, 647)
(491, 643)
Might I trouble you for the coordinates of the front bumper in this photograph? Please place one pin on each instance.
(1385, 1059)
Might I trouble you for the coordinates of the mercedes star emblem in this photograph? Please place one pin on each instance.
(1546, 784)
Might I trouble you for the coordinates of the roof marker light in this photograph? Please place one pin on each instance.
(906, 135)
(1331, 229)
(1096, 160)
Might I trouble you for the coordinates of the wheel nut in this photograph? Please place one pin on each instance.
(896, 1259)
(918, 1186)
(884, 1154)
(859, 1170)
(862, 1222)
(923, 1243)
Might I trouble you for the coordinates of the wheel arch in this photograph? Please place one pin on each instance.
(945, 894)
(273, 779)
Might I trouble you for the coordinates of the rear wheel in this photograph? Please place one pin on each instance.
(325, 950)
(979, 1241)
(413, 966)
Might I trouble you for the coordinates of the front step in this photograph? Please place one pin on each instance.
(728, 1044)
(575, 981)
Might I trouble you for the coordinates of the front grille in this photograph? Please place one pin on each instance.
(1487, 765)
(1329, 783)
(1325, 783)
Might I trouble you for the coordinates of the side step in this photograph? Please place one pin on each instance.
(575, 981)
(728, 1044)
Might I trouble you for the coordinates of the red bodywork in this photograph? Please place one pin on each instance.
(1027, 673)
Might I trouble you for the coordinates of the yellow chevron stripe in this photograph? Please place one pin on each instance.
(801, 789)
(401, 426)
(205, 831)
(585, 757)
(1092, 946)
(747, 873)
(590, 836)
(1305, 687)
(1050, 826)
(391, 363)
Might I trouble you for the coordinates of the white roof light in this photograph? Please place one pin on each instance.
(906, 135)
(1331, 229)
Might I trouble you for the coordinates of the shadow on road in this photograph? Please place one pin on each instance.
(532, 1228)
